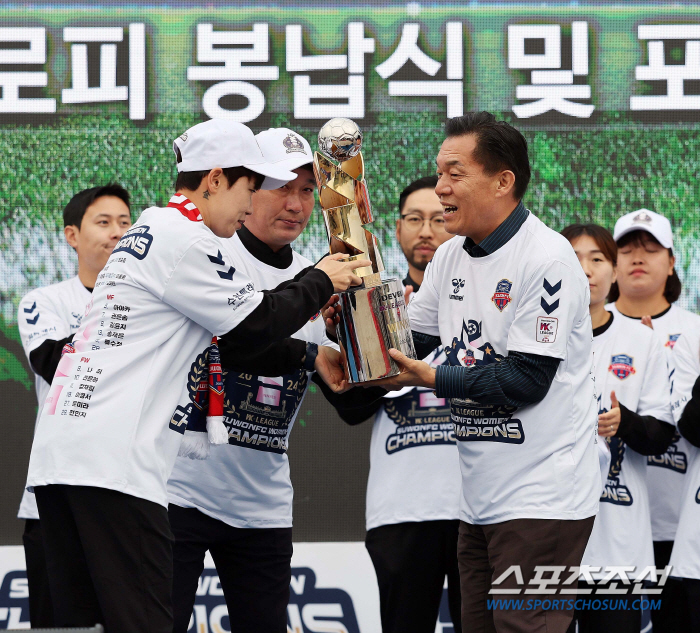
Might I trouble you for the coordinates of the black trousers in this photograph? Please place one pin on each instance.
(108, 557)
(673, 616)
(254, 567)
(40, 607)
(411, 561)
(619, 620)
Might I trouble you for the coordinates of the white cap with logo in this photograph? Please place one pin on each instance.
(285, 148)
(223, 143)
(645, 220)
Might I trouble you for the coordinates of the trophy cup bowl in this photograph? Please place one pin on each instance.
(373, 315)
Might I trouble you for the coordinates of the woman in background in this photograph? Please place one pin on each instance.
(647, 284)
(634, 419)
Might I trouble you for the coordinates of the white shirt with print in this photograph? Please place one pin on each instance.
(531, 296)
(246, 482)
(414, 464)
(667, 472)
(627, 357)
(50, 313)
(167, 287)
(685, 557)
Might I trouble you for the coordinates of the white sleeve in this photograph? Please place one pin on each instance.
(38, 321)
(552, 303)
(686, 358)
(655, 396)
(209, 290)
(423, 305)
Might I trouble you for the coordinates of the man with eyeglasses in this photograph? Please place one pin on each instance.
(414, 482)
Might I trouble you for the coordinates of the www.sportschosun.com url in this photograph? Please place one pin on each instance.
(580, 604)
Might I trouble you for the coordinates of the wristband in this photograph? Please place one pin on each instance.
(309, 359)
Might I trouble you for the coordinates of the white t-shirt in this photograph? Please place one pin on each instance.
(50, 313)
(246, 482)
(414, 464)
(530, 296)
(627, 358)
(685, 558)
(166, 288)
(667, 472)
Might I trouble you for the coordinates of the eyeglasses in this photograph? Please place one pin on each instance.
(415, 222)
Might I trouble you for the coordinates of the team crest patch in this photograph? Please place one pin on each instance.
(468, 359)
(642, 218)
(501, 298)
(315, 316)
(672, 339)
(622, 366)
(293, 144)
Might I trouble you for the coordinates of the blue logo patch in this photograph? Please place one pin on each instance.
(501, 298)
(622, 366)
(136, 241)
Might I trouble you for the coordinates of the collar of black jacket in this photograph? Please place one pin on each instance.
(506, 230)
(257, 248)
(410, 282)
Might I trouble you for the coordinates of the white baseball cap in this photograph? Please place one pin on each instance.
(285, 148)
(223, 143)
(645, 220)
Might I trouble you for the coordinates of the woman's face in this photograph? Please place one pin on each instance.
(598, 268)
(643, 268)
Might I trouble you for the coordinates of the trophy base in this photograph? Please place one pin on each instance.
(372, 321)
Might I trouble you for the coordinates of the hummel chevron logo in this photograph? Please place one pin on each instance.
(551, 289)
(228, 274)
(549, 307)
(30, 310)
(34, 320)
(219, 261)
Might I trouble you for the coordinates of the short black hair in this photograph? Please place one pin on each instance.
(498, 146)
(427, 182)
(74, 211)
(637, 238)
(190, 180)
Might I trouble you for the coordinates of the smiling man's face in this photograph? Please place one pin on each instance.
(280, 215)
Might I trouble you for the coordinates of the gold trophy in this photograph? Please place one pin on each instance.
(373, 316)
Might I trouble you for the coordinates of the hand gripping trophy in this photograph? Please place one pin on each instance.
(373, 316)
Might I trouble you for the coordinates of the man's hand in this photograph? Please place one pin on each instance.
(329, 365)
(331, 316)
(609, 422)
(340, 273)
(414, 373)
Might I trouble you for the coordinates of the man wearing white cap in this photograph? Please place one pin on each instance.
(647, 285)
(103, 448)
(238, 503)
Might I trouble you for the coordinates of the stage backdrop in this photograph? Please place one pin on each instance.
(607, 96)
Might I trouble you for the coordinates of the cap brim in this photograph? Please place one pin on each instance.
(275, 176)
(664, 242)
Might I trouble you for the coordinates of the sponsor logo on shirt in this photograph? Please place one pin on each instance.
(239, 298)
(136, 241)
(672, 339)
(550, 290)
(31, 314)
(673, 459)
(547, 329)
(457, 286)
(501, 298)
(622, 366)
